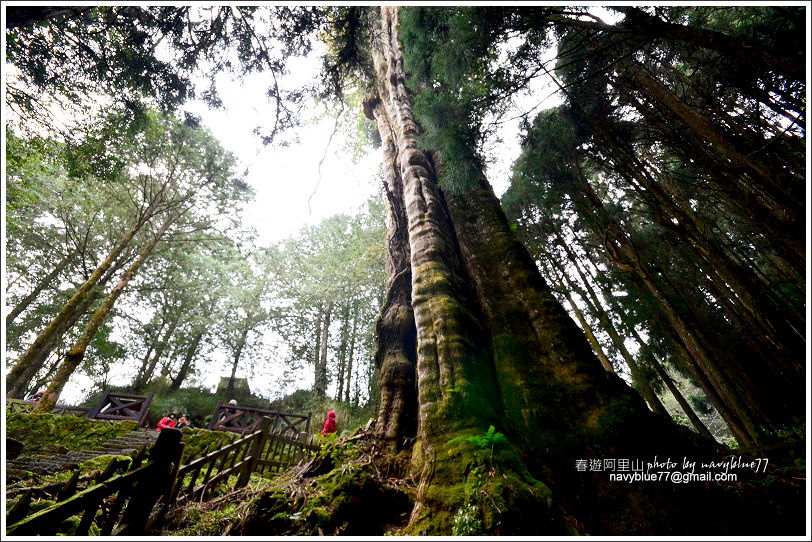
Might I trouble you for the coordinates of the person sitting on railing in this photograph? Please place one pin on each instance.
(229, 411)
(37, 396)
(166, 421)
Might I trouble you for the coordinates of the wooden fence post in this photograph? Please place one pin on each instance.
(256, 452)
(98, 406)
(169, 492)
(213, 421)
(150, 488)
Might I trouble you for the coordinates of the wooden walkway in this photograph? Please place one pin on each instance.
(135, 502)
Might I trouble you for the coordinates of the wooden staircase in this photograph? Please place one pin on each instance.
(131, 444)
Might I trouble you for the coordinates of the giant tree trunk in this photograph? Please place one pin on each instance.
(395, 330)
(494, 348)
(456, 397)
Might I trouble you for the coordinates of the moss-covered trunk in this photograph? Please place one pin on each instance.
(77, 352)
(31, 360)
(396, 353)
(457, 400)
(509, 393)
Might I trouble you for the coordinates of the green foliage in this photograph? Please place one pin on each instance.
(463, 75)
(466, 521)
(489, 440)
(38, 431)
(131, 56)
(339, 262)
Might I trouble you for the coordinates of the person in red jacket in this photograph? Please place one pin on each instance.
(329, 424)
(166, 421)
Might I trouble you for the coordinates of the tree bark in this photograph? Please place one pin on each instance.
(396, 352)
(342, 349)
(39, 357)
(503, 352)
(148, 370)
(781, 204)
(237, 356)
(596, 305)
(320, 381)
(738, 414)
(186, 366)
(351, 354)
(700, 427)
(153, 341)
(585, 327)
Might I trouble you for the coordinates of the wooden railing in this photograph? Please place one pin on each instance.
(260, 451)
(280, 453)
(236, 459)
(240, 419)
(111, 406)
(18, 405)
(162, 482)
(138, 490)
(122, 406)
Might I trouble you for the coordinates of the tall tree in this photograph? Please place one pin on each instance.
(497, 348)
(184, 168)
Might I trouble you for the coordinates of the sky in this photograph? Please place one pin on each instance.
(288, 192)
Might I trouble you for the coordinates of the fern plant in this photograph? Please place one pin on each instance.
(491, 439)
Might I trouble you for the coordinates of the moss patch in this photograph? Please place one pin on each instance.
(479, 485)
(348, 501)
(40, 433)
(339, 492)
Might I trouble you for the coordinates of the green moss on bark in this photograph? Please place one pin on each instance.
(480, 485)
(349, 500)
